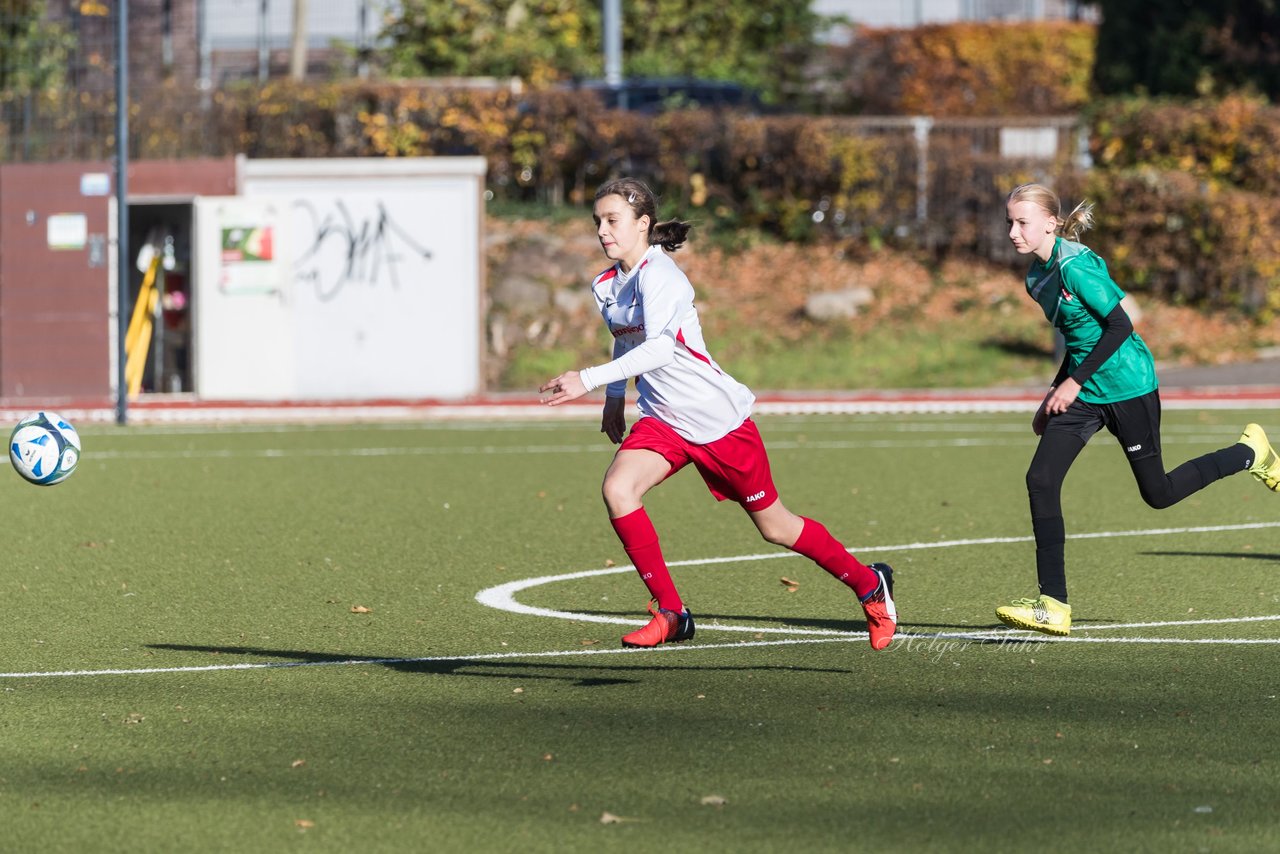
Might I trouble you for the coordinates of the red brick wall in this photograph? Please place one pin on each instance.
(197, 177)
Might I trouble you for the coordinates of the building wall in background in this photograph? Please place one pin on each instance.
(55, 303)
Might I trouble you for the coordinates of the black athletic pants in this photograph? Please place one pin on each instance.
(1136, 424)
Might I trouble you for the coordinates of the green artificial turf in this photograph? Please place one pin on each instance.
(268, 639)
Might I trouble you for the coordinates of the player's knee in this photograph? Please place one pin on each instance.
(1158, 499)
(777, 535)
(618, 492)
(1040, 481)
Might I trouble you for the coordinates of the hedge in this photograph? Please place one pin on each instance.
(1186, 191)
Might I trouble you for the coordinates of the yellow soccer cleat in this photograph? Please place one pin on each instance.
(1045, 614)
(1266, 463)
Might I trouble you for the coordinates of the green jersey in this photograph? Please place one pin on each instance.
(1077, 294)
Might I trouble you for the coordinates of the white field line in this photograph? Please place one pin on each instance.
(502, 597)
(333, 414)
(797, 423)
(601, 447)
(985, 440)
(996, 638)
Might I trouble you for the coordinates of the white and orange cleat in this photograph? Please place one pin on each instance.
(882, 614)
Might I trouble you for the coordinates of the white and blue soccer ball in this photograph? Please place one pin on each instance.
(44, 448)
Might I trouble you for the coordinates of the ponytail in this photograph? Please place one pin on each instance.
(670, 235)
(1078, 221)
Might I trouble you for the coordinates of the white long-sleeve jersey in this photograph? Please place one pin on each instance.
(658, 340)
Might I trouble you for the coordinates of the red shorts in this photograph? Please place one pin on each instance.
(735, 467)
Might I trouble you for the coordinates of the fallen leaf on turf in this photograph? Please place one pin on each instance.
(789, 583)
(297, 763)
(517, 690)
(714, 801)
(303, 823)
(609, 562)
(589, 642)
(134, 718)
(360, 609)
(610, 818)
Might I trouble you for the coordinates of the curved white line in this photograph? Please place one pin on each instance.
(502, 597)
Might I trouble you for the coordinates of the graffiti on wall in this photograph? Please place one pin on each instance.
(343, 248)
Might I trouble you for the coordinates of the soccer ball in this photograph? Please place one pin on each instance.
(44, 448)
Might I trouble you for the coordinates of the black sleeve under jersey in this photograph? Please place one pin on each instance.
(1118, 328)
(1062, 372)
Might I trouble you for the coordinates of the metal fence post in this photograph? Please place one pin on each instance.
(922, 125)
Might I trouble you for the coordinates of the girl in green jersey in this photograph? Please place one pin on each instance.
(1107, 379)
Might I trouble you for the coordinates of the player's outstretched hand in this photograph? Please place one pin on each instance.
(562, 389)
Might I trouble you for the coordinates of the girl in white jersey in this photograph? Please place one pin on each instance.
(691, 411)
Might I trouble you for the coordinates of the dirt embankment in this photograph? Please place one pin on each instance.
(538, 274)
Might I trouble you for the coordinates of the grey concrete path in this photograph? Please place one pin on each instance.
(1265, 372)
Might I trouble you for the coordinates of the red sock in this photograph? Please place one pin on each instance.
(817, 544)
(641, 543)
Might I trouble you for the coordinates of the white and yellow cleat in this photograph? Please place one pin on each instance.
(1045, 614)
(1266, 463)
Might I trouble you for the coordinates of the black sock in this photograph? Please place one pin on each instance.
(1051, 562)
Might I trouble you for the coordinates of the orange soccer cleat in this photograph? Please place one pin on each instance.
(665, 627)
(882, 614)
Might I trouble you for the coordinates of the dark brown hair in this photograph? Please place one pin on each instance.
(670, 235)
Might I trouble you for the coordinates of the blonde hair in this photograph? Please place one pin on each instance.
(1076, 223)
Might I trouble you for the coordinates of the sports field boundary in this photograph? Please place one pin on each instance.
(517, 406)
